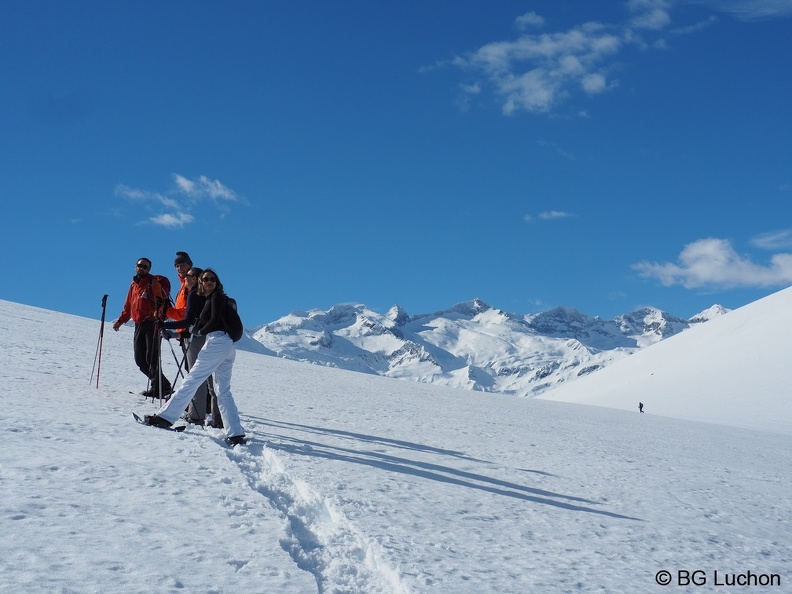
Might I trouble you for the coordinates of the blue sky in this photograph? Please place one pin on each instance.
(598, 155)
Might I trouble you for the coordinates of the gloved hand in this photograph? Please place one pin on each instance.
(167, 334)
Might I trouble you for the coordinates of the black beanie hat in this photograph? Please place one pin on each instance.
(181, 258)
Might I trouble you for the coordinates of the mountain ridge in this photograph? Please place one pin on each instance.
(471, 344)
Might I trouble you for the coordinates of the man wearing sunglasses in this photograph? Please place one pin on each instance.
(144, 297)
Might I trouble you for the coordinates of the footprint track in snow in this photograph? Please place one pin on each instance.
(319, 538)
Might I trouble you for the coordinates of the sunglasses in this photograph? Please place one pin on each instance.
(209, 279)
(143, 266)
(192, 275)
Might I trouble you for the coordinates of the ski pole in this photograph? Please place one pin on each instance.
(176, 359)
(152, 360)
(184, 362)
(159, 365)
(158, 343)
(99, 344)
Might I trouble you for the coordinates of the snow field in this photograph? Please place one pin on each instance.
(357, 484)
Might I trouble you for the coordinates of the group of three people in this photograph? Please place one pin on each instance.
(199, 315)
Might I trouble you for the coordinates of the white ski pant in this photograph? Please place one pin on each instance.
(216, 357)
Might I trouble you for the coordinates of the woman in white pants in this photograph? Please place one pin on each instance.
(216, 357)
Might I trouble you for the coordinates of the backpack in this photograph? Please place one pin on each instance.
(232, 320)
(165, 285)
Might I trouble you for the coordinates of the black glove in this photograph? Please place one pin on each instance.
(167, 334)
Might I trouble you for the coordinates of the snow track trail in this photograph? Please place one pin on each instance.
(319, 538)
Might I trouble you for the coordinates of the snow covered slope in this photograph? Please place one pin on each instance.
(361, 484)
(736, 370)
(470, 345)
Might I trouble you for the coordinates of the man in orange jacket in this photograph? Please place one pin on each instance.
(183, 263)
(145, 296)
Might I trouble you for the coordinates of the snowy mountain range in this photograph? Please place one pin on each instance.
(471, 345)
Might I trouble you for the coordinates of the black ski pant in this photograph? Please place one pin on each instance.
(145, 344)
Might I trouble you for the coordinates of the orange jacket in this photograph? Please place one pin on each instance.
(179, 309)
(141, 299)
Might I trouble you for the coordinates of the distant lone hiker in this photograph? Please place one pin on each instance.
(640, 407)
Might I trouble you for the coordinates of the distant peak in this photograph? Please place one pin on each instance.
(397, 315)
(468, 308)
(713, 312)
(559, 320)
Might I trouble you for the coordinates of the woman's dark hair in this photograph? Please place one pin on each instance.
(197, 272)
(218, 284)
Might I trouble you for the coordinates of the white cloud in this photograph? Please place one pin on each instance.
(647, 5)
(179, 202)
(773, 240)
(131, 193)
(548, 215)
(555, 214)
(185, 185)
(650, 14)
(594, 83)
(137, 195)
(655, 20)
(750, 10)
(203, 187)
(695, 27)
(529, 19)
(532, 91)
(172, 220)
(714, 263)
(557, 149)
(536, 73)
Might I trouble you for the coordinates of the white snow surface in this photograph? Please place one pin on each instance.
(734, 370)
(357, 483)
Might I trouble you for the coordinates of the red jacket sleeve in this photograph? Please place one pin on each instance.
(126, 312)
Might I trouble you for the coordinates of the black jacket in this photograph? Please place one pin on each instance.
(212, 316)
(195, 305)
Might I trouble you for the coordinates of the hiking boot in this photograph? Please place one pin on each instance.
(167, 390)
(235, 440)
(195, 421)
(157, 421)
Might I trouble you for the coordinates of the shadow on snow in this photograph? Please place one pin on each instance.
(426, 470)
